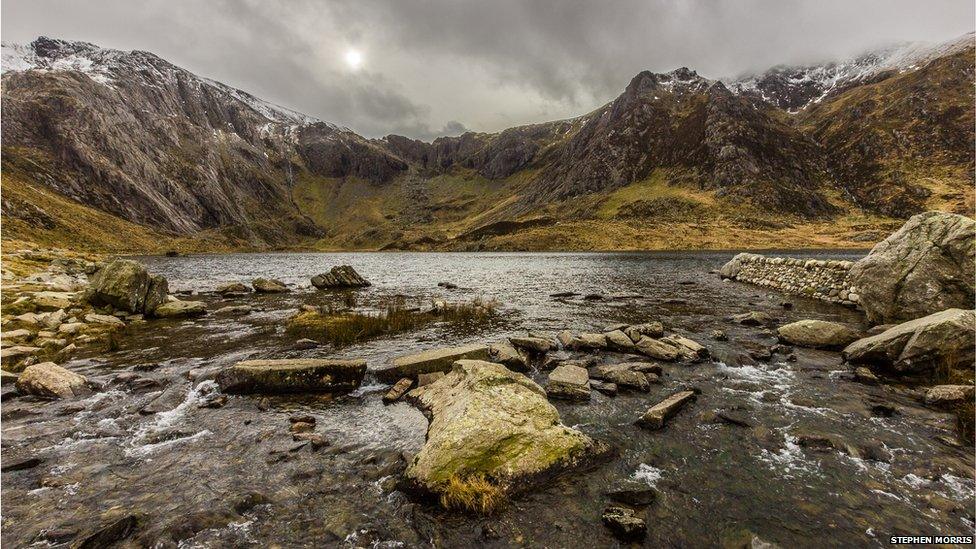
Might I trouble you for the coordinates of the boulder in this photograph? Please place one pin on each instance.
(569, 382)
(657, 415)
(292, 375)
(535, 345)
(491, 431)
(619, 341)
(944, 339)
(48, 380)
(649, 329)
(126, 285)
(657, 349)
(435, 360)
(925, 267)
(818, 334)
(172, 309)
(269, 286)
(623, 376)
(948, 396)
(342, 276)
(503, 353)
(233, 289)
(588, 342)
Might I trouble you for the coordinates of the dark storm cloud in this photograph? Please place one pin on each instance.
(490, 64)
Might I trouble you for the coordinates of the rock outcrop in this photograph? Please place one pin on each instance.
(292, 375)
(925, 267)
(126, 285)
(339, 277)
(490, 424)
(819, 334)
(944, 339)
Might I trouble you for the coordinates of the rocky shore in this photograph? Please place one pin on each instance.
(496, 409)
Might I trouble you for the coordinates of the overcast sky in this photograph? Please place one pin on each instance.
(430, 67)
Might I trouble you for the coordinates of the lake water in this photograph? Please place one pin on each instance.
(185, 471)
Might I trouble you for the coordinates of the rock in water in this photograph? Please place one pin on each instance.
(921, 345)
(536, 345)
(292, 375)
(495, 425)
(49, 380)
(753, 318)
(233, 289)
(624, 523)
(180, 309)
(398, 390)
(126, 285)
(818, 334)
(658, 414)
(947, 396)
(504, 353)
(624, 375)
(569, 382)
(342, 276)
(435, 360)
(269, 286)
(924, 267)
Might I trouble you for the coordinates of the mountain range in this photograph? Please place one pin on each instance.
(116, 150)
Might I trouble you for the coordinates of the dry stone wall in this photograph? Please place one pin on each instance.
(826, 280)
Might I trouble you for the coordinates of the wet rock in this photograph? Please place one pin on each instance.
(925, 267)
(536, 345)
(301, 427)
(657, 349)
(753, 318)
(341, 276)
(398, 390)
(818, 334)
(623, 376)
(170, 398)
(202, 374)
(491, 423)
(435, 360)
(563, 294)
(863, 374)
(111, 533)
(624, 523)
(269, 286)
(48, 380)
(656, 416)
(569, 382)
(786, 305)
(944, 339)
(126, 285)
(427, 379)
(234, 310)
(719, 335)
(447, 285)
(819, 442)
(174, 309)
(233, 289)
(609, 389)
(213, 400)
(948, 396)
(688, 349)
(619, 341)
(504, 353)
(296, 375)
(636, 495)
(315, 440)
(737, 418)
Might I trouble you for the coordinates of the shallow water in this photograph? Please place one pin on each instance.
(184, 470)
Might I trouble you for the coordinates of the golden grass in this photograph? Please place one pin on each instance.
(473, 493)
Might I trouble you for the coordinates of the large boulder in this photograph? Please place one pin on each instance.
(944, 339)
(818, 334)
(292, 375)
(126, 285)
(339, 277)
(925, 267)
(48, 380)
(491, 432)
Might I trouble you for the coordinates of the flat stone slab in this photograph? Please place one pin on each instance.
(657, 415)
(292, 375)
(624, 375)
(569, 382)
(435, 360)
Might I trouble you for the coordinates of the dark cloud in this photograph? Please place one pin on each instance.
(491, 64)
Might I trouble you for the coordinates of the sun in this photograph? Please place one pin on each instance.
(354, 59)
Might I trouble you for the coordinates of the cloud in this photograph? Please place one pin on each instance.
(492, 64)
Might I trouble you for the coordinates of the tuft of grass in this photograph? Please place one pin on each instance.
(473, 493)
(965, 419)
(467, 313)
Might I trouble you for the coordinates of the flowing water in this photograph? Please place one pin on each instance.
(231, 476)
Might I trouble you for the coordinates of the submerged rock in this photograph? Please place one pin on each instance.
(922, 345)
(491, 425)
(924, 267)
(126, 285)
(435, 360)
(657, 415)
(341, 276)
(292, 375)
(269, 286)
(819, 334)
(569, 382)
(49, 380)
(624, 523)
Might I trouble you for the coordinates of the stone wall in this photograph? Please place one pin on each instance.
(826, 280)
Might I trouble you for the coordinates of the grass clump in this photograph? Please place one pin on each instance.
(468, 312)
(473, 493)
(965, 419)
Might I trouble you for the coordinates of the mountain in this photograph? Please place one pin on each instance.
(819, 154)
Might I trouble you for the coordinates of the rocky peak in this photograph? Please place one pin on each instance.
(679, 80)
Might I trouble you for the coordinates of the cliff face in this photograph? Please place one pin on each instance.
(132, 135)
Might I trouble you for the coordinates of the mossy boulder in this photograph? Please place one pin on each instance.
(942, 340)
(126, 285)
(492, 425)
